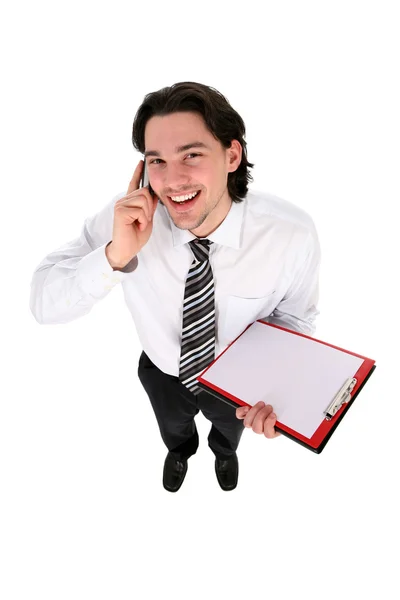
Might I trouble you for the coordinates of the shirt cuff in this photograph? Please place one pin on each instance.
(96, 275)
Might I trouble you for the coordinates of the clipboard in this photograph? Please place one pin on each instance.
(310, 384)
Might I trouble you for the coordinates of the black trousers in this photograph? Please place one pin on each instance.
(175, 407)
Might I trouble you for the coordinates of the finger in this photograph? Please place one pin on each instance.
(134, 183)
(249, 418)
(269, 426)
(242, 411)
(139, 200)
(133, 213)
(143, 220)
(260, 418)
(151, 200)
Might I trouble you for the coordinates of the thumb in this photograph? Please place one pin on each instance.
(242, 411)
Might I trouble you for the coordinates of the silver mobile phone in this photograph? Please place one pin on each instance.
(145, 179)
(145, 176)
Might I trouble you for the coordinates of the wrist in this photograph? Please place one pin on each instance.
(118, 266)
(110, 258)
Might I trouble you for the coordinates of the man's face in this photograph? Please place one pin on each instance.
(174, 171)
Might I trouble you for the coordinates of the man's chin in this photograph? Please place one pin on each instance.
(185, 224)
(183, 220)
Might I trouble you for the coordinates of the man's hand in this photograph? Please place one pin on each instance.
(260, 418)
(133, 222)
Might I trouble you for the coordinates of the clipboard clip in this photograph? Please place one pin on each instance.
(342, 396)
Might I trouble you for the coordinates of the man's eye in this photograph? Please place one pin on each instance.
(152, 162)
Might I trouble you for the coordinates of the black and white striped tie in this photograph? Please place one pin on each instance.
(198, 327)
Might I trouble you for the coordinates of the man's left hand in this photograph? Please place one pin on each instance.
(260, 418)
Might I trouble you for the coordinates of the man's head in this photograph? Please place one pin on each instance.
(165, 124)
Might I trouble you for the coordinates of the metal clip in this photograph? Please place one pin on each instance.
(340, 398)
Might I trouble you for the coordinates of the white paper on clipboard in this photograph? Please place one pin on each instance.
(297, 375)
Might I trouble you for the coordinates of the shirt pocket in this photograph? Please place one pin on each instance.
(239, 312)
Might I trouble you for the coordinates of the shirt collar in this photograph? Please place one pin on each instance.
(229, 232)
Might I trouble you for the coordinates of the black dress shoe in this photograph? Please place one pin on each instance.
(227, 471)
(174, 473)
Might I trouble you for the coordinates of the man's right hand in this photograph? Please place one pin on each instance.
(260, 418)
(133, 222)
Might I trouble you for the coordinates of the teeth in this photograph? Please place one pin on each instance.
(183, 198)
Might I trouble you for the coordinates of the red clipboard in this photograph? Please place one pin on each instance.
(324, 431)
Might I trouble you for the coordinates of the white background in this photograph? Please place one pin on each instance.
(83, 513)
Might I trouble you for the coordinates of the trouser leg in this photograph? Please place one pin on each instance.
(226, 430)
(174, 407)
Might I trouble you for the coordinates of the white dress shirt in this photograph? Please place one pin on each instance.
(265, 260)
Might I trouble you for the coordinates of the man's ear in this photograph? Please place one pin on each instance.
(234, 155)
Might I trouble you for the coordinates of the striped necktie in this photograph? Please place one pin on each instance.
(198, 327)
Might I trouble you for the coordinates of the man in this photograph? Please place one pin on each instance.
(200, 257)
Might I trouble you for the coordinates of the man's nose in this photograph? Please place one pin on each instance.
(175, 178)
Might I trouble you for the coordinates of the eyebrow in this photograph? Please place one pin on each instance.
(178, 149)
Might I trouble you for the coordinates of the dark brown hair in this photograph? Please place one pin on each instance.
(220, 118)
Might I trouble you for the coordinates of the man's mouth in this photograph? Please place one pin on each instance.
(184, 205)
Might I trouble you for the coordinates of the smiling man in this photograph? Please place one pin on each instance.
(200, 166)
(200, 257)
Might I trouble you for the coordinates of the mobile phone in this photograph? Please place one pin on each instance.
(145, 179)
